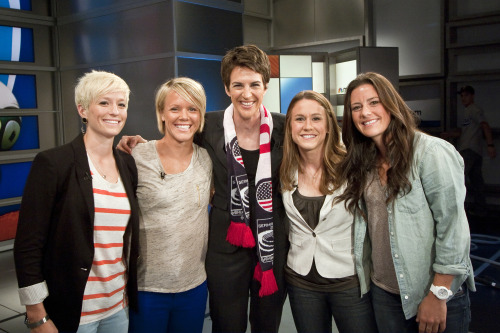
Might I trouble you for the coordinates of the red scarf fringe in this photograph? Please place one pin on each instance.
(267, 281)
(239, 234)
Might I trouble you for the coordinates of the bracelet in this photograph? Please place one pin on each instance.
(36, 324)
(491, 145)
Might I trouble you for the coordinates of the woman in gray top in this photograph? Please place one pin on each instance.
(406, 190)
(173, 191)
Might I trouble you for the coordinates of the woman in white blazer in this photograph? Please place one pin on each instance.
(320, 272)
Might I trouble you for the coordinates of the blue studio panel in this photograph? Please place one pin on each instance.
(17, 91)
(202, 29)
(19, 133)
(290, 86)
(16, 4)
(8, 209)
(13, 179)
(16, 44)
(207, 72)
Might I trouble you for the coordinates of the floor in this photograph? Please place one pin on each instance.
(12, 313)
(485, 303)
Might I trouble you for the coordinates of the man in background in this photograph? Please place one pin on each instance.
(470, 145)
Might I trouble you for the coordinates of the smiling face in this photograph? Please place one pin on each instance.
(181, 118)
(308, 125)
(106, 115)
(246, 90)
(368, 114)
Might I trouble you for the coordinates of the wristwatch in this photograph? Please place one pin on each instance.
(441, 292)
(36, 323)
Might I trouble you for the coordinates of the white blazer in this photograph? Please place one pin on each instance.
(330, 244)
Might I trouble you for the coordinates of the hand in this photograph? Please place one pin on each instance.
(492, 152)
(48, 327)
(127, 143)
(36, 312)
(431, 315)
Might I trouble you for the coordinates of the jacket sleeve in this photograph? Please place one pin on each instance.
(442, 176)
(34, 224)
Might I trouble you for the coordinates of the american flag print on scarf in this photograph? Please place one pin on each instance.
(239, 232)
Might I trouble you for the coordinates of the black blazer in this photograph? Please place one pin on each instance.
(212, 139)
(54, 240)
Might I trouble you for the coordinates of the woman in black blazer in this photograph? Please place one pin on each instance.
(76, 246)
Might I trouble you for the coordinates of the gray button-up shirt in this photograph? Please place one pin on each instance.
(428, 228)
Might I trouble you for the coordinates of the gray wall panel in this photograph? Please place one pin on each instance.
(138, 32)
(338, 19)
(298, 21)
(71, 7)
(415, 27)
(143, 78)
(293, 22)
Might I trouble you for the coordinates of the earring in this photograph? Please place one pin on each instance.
(84, 122)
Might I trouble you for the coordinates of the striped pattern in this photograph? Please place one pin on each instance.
(105, 290)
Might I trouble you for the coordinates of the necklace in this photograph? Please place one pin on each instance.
(96, 166)
(313, 176)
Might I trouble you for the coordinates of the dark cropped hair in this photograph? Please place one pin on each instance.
(249, 56)
(362, 153)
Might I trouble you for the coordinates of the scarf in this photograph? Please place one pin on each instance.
(239, 232)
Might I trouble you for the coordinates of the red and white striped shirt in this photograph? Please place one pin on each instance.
(105, 289)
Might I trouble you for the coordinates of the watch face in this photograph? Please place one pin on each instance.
(443, 293)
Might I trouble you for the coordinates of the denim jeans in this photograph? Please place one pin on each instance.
(390, 317)
(116, 323)
(312, 311)
(170, 312)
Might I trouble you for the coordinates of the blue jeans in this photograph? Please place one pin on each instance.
(312, 310)
(390, 317)
(170, 312)
(116, 323)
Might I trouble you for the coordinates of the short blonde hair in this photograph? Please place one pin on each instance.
(95, 84)
(189, 89)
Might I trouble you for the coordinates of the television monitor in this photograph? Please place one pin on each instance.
(16, 4)
(16, 44)
(17, 91)
(13, 178)
(18, 133)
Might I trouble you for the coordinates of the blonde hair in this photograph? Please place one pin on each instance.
(189, 89)
(333, 149)
(95, 84)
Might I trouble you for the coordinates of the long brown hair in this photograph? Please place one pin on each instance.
(362, 153)
(333, 151)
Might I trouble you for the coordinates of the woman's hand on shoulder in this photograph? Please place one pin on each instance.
(127, 143)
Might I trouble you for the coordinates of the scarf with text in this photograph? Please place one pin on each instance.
(239, 232)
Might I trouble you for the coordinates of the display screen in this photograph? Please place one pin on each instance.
(16, 44)
(17, 91)
(19, 133)
(16, 4)
(13, 179)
